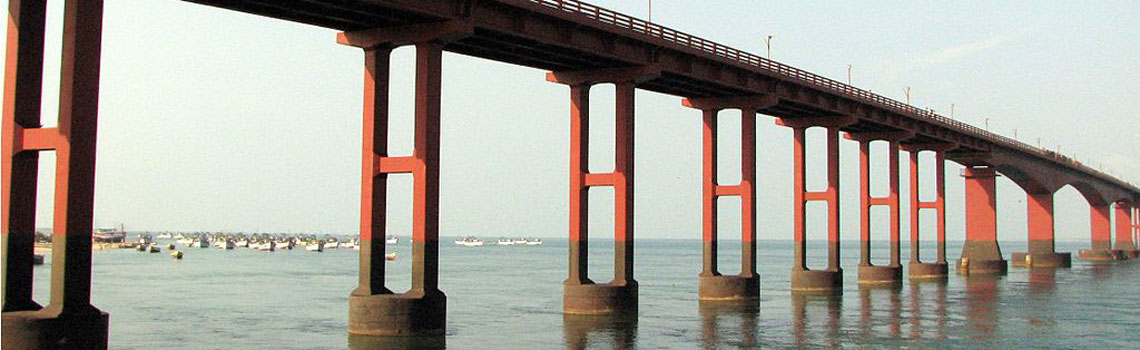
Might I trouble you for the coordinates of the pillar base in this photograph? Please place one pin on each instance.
(928, 271)
(600, 299)
(1131, 253)
(1101, 254)
(407, 314)
(1042, 260)
(34, 330)
(970, 267)
(729, 288)
(879, 275)
(817, 282)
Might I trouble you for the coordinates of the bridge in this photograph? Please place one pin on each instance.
(581, 45)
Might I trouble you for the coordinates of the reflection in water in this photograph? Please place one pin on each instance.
(599, 332)
(1042, 281)
(982, 306)
(713, 314)
(881, 297)
(805, 306)
(928, 297)
(396, 343)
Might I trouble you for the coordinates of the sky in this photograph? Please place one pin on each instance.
(221, 121)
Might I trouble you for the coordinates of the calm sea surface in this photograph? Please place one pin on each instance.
(510, 298)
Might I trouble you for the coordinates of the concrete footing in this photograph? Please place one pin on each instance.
(728, 288)
(928, 271)
(1042, 260)
(1131, 253)
(879, 275)
(34, 330)
(1101, 254)
(970, 267)
(600, 299)
(407, 314)
(817, 282)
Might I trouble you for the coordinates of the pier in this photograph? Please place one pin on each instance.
(581, 46)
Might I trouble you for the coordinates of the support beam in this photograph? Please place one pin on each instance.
(746, 285)
(1041, 253)
(582, 295)
(869, 274)
(828, 281)
(422, 310)
(980, 253)
(69, 318)
(937, 270)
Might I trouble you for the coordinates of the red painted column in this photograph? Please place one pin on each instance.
(1123, 218)
(980, 253)
(748, 194)
(804, 280)
(374, 181)
(425, 188)
(940, 204)
(869, 273)
(1040, 215)
(832, 198)
(623, 184)
(579, 191)
(708, 193)
(23, 77)
(917, 269)
(1101, 229)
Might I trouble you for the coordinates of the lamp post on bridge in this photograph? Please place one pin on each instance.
(848, 74)
(768, 44)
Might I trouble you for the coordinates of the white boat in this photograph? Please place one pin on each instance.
(469, 241)
(242, 244)
(392, 240)
(166, 235)
(185, 241)
(201, 244)
(534, 241)
(226, 245)
(267, 246)
(316, 247)
(505, 241)
(520, 241)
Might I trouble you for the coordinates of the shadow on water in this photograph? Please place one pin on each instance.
(927, 309)
(716, 314)
(599, 332)
(804, 310)
(396, 343)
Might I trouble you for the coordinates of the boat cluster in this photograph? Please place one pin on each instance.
(259, 242)
(472, 241)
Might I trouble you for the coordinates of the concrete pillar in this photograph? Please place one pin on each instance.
(1122, 213)
(422, 310)
(69, 319)
(805, 280)
(1039, 217)
(937, 270)
(891, 274)
(1101, 232)
(713, 285)
(980, 253)
(582, 295)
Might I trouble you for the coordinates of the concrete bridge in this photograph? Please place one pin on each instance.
(582, 46)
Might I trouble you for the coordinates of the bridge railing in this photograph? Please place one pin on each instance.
(787, 72)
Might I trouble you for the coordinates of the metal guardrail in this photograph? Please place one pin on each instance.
(787, 72)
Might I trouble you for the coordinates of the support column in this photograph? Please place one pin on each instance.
(828, 281)
(69, 319)
(1101, 236)
(937, 270)
(869, 274)
(581, 295)
(980, 253)
(422, 310)
(1123, 217)
(1041, 232)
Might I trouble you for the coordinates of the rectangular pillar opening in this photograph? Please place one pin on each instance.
(728, 235)
(401, 103)
(45, 216)
(602, 130)
(815, 160)
(600, 225)
(728, 148)
(398, 214)
(927, 235)
(815, 234)
(927, 177)
(878, 160)
(880, 235)
(53, 64)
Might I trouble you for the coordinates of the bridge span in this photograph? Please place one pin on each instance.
(581, 45)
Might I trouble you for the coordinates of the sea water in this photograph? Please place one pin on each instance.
(510, 297)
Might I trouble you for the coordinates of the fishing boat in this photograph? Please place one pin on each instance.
(520, 241)
(505, 241)
(111, 235)
(390, 256)
(242, 244)
(154, 248)
(391, 240)
(225, 245)
(268, 246)
(534, 241)
(176, 255)
(469, 241)
(166, 235)
(316, 247)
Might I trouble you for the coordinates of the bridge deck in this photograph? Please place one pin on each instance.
(566, 35)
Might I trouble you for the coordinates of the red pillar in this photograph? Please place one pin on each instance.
(69, 317)
(980, 253)
(1039, 214)
(746, 285)
(422, 310)
(581, 295)
(805, 280)
(892, 272)
(938, 269)
(1123, 219)
(1100, 228)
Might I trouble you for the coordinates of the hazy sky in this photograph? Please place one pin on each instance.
(217, 120)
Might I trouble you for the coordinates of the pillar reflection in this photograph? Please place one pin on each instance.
(928, 309)
(879, 305)
(599, 332)
(714, 315)
(432, 342)
(982, 306)
(806, 308)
